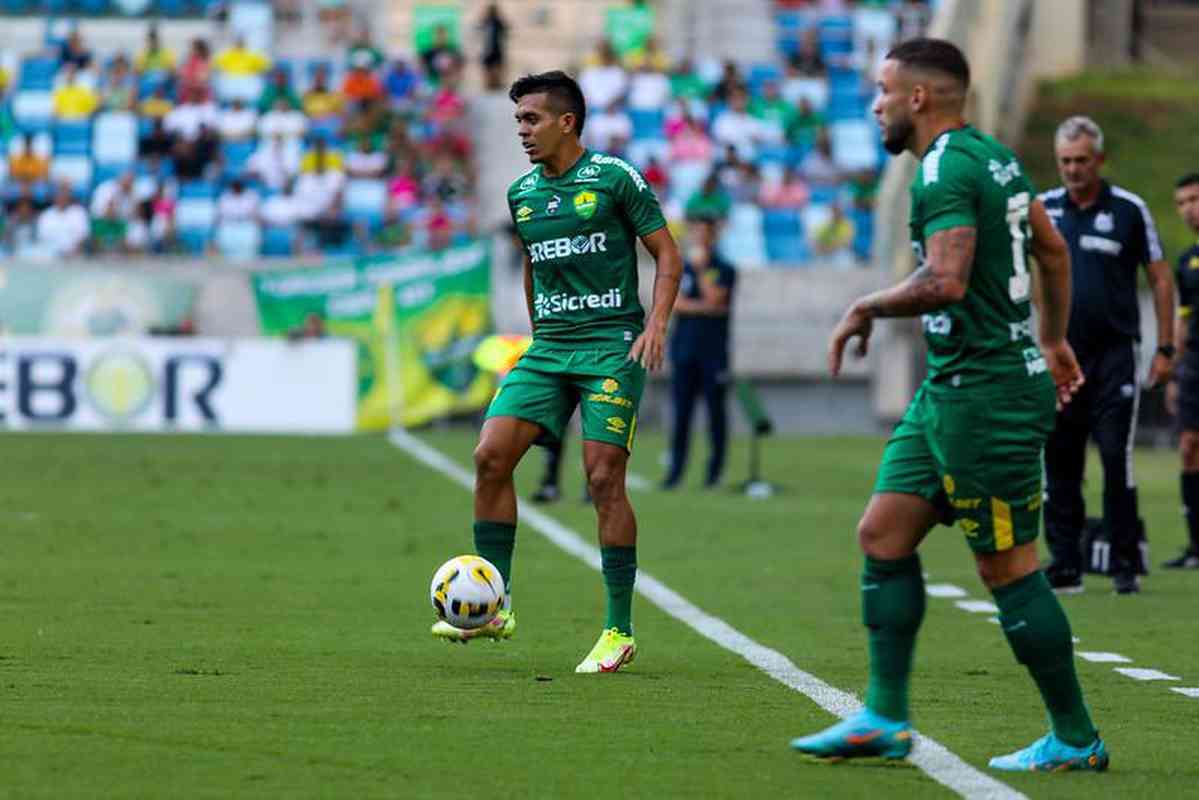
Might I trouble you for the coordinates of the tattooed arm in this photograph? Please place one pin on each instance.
(941, 281)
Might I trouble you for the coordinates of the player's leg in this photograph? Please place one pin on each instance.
(1188, 447)
(715, 389)
(1065, 510)
(1114, 425)
(685, 381)
(908, 501)
(502, 443)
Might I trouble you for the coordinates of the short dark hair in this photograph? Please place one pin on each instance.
(1190, 179)
(938, 55)
(560, 88)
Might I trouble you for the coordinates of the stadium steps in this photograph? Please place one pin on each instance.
(743, 30)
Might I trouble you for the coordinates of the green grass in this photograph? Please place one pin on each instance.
(225, 616)
(1149, 121)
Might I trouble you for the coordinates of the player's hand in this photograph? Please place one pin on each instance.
(1172, 398)
(1160, 370)
(856, 322)
(649, 349)
(1063, 366)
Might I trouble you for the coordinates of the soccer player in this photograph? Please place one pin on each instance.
(579, 215)
(969, 446)
(1182, 395)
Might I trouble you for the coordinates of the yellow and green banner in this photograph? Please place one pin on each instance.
(417, 320)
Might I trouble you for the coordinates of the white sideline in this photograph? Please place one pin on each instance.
(930, 756)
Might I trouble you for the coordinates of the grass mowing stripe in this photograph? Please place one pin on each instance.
(937, 761)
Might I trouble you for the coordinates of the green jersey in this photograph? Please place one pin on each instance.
(580, 232)
(967, 178)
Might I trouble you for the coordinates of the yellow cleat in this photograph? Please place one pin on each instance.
(503, 626)
(613, 651)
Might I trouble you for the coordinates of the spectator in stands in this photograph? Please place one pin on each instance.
(401, 83)
(437, 225)
(448, 103)
(393, 234)
(318, 187)
(118, 89)
(863, 189)
(737, 127)
(26, 165)
(606, 82)
(319, 158)
(818, 167)
(805, 124)
(157, 105)
(710, 202)
(789, 192)
(113, 207)
(313, 327)
(608, 129)
(494, 30)
(278, 88)
(731, 81)
(73, 100)
(797, 85)
(320, 102)
(442, 55)
(335, 16)
(284, 121)
(158, 142)
(403, 190)
(20, 230)
(280, 209)
(195, 111)
(74, 52)
(275, 162)
(195, 74)
(365, 161)
(649, 88)
(773, 110)
(156, 220)
(237, 203)
(63, 228)
(445, 181)
(241, 60)
(691, 143)
(362, 53)
(195, 158)
(687, 86)
(738, 176)
(361, 86)
(237, 123)
(154, 57)
(833, 237)
(649, 56)
(656, 176)
(808, 60)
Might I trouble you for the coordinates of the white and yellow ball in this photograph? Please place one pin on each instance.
(467, 591)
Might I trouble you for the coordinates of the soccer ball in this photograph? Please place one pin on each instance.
(467, 591)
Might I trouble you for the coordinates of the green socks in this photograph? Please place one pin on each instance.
(892, 609)
(495, 541)
(620, 571)
(1039, 633)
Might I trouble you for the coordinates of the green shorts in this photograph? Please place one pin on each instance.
(977, 456)
(548, 382)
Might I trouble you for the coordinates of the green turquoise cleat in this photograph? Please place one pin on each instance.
(864, 735)
(503, 626)
(1051, 754)
(613, 651)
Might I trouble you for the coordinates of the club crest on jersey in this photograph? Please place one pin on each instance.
(1104, 222)
(524, 214)
(589, 171)
(551, 207)
(585, 204)
(528, 184)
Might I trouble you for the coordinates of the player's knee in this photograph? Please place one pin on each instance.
(492, 463)
(871, 536)
(604, 481)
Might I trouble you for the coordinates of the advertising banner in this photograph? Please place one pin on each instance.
(417, 320)
(175, 384)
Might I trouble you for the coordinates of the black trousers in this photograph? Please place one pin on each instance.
(1105, 409)
(690, 378)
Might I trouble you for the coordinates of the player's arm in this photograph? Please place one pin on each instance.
(1161, 284)
(941, 281)
(1053, 301)
(650, 347)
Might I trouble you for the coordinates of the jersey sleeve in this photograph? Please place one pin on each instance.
(638, 202)
(949, 197)
(1151, 244)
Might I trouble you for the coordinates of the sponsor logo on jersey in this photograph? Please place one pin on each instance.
(1020, 330)
(585, 204)
(551, 207)
(1034, 362)
(559, 302)
(610, 385)
(523, 214)
(939, 324)
(638, 181)
(1101, 244)
(566, 247)
(1104, 223)
(528, 183)
(610, 399)
(589, 171)
(1003, 174)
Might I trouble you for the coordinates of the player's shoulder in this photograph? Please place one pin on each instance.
(1128, 199)
(613, 169)
(1053, 197)
(951, 153)
(525, 182)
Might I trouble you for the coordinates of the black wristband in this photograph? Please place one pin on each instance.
(1167, 350)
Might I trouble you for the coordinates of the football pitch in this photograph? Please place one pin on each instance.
(249, 617)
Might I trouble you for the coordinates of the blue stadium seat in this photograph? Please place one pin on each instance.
(328, 130)
(114, 137)
(788, 249)
(647, 124)
(836, 36)
(148, 82)
(278, 241)
(235, 155)
(74, 168)
(823, 195)
(72, 138)
(33, 110)
(194, 241)
(365, 201)
(94, 7)
(37, 73)
(197, 190)
(863, 232)
(104, 172)
(238, 241)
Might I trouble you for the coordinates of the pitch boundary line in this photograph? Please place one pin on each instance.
(933, 758)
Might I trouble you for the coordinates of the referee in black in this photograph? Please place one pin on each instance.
(1111, 234)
